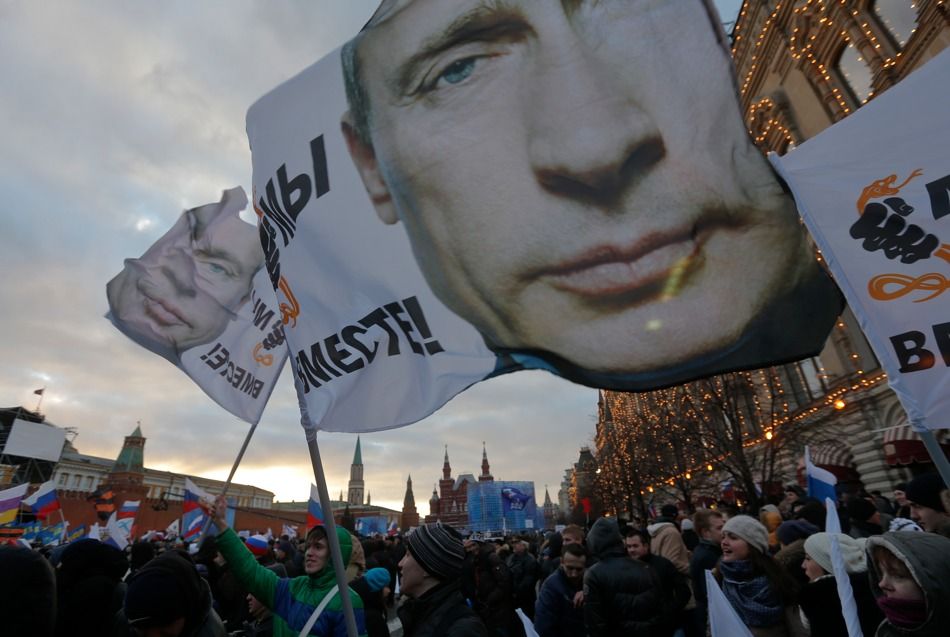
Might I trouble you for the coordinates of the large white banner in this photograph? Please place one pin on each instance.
(28, 439)
(200, 297)
(874, 190)
(471, 188)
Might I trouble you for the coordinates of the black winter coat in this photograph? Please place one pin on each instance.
(427, 615)
(621, 596)
(822, 608)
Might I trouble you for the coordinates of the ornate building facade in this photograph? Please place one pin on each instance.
(801, 66)
(449, 501)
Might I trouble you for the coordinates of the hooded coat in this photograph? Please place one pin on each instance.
(293, 600)
(927, 557)
(621, 596)
(200, 618)
(89, 588)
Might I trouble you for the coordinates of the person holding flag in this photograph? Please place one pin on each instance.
(310, 601)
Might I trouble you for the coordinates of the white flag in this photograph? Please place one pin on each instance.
(874, 191)
(116, 534)
(173, 529)
(200, 298)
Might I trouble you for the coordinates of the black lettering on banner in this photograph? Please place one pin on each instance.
(338, 356)
(395, 310)
(284, 202)
(262, 314)
(911, 353)
(349, 337)
(276, 336)
(942, 334)
(219, 359)
(343, 353)
(415, 312)
(268, 238)
(939, 191)
(378, 318)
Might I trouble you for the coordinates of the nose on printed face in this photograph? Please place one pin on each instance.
(586, 137)
(177, 267)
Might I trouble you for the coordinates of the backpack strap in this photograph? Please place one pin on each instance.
(319, 609)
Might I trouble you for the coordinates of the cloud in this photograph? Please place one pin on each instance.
(116, 118)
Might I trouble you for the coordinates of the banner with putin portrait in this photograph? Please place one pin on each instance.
(200, 297)
(874, 190)
(467, 189)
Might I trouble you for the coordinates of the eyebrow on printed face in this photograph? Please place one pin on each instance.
(488, 21)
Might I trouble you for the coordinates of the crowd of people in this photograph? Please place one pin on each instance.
(640, 578)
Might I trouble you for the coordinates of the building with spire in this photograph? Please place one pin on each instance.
(126, 480)
(354, 489)
(550, 510)
(410, 516)
(486, 472)
(449, 502)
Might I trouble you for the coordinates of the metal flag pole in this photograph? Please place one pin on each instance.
(227, 484)
(936, 454)
(335, 553)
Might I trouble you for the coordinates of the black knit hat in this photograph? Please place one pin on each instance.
(438, 549)
(925, 491)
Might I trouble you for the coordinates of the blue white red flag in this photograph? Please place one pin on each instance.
(258, 545)
(44, 500)
(195, 510)
(314, 511)
(128, 509)
(393, 529)
(821, 482)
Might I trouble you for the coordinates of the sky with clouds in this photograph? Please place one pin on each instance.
(116, 117)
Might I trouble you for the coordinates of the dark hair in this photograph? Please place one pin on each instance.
(779, 579)
(577, 550)
(316, 534)
(357, 98)
(640, 533)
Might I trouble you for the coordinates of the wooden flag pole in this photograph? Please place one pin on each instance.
(227, 484)
(335, 553)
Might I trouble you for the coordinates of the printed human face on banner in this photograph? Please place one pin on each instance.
(577, 183)
(187, 287)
